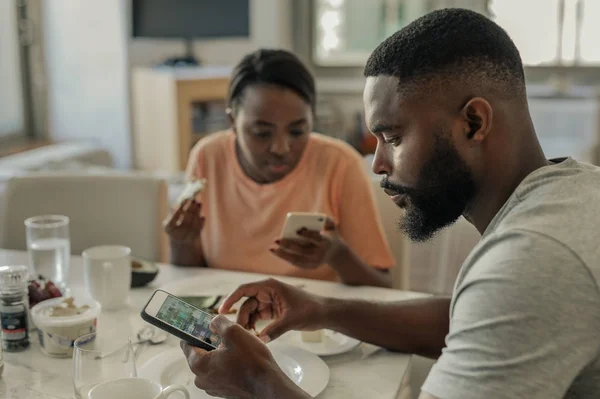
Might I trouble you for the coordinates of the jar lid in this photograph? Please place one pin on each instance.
(13, 279)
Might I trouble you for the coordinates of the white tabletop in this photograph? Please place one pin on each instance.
(366, 372)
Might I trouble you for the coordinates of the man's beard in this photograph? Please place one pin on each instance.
(445, 189)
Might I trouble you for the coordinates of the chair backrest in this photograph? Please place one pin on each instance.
(389, 214)
(434, 265)
(425, 267)
(125, 209)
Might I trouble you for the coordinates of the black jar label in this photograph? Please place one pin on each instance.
(13, 320)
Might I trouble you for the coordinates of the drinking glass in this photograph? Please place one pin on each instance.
(100, 358)
(49, 247)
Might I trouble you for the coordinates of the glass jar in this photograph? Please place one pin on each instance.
(14, 308)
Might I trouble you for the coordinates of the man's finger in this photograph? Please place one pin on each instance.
(203, 383)
(246, 310)
(196, 357)
(245, 290)
(274, 330)
(252, 322)
(189, 349)
(185, 347)
(220, 325)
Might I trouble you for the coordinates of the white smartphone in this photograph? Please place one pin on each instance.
(181, 319)
(297, 220)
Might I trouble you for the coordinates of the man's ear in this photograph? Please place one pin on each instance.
(478, 116)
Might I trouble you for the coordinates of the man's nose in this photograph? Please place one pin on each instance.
(382, 164)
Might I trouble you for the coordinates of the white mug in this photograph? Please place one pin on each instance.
(139, 388)
(108, 274)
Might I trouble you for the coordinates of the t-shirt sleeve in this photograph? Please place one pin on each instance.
(524, 322)
(359, 222)
(195, 165)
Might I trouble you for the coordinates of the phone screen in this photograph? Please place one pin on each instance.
(189, 319)
(203, 302)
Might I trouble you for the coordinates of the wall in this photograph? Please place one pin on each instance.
(11, 96)
(85, 45)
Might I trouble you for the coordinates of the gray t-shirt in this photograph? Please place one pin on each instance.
(525, 313)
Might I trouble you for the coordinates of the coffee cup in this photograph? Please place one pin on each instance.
(139, 388)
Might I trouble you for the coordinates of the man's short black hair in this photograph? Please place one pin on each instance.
(453, 44)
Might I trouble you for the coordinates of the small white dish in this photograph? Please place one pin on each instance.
(307, 370)
(333, 343)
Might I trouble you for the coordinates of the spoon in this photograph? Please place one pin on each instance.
(156, 339)
(144, 335)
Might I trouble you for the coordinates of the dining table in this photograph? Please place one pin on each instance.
(364, 372)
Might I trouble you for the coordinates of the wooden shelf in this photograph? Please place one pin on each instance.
(163, 106)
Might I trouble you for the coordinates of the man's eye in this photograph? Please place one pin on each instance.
(392, 140)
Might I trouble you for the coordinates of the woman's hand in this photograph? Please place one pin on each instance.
(185, 224)
(312, 248)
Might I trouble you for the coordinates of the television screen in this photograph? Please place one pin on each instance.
(191, 18)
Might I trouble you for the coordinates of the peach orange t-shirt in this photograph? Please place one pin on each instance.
(243, 218)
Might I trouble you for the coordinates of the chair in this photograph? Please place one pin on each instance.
(389, 214)
(432, 266)
(114, 208)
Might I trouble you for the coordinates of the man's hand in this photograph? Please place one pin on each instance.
(242, 367)
(289, 307)
(313, 249)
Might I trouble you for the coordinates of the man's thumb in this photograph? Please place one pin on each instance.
(220, 324)
(274, 330)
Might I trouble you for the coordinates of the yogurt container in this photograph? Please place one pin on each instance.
(57, 334)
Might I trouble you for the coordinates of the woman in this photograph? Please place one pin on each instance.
(270, 163)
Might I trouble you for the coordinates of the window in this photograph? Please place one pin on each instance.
(551, 32)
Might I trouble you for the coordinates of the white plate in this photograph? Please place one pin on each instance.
(334, 343)
(307, 370)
